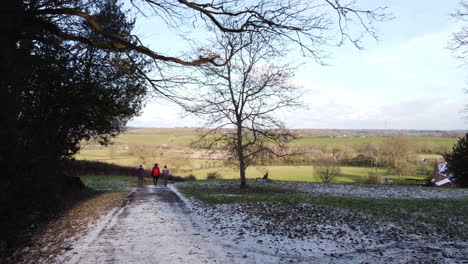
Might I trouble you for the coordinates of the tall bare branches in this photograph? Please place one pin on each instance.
(297, 21)
(240, 101)
(459, 41)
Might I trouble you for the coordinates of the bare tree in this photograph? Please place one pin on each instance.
(327, 169)
(239, 101)
(398, 153)
(146, 155)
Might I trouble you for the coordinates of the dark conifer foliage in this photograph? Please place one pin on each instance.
(54, 94)
(457, 162)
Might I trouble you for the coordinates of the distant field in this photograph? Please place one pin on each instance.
(423, 144)
(297, 173)
(119, 157)
(186, 138)
(278, 173)
(156, 139)
(163, 131)
(171, 147)
(335, 141)
(143, 139)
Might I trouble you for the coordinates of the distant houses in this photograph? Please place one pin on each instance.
(442, 176)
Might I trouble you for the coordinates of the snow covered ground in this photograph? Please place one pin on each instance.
(159, 225)
(279, 232)
(150, 227)
(378, 191)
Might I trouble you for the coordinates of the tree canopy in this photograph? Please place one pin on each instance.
(53, 96)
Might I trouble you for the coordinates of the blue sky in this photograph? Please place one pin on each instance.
(406, 80)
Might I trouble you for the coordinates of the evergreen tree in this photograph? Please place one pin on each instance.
(53, 97)
(457, 162)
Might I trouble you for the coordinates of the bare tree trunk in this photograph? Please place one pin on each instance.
(240, 152)
(242, 172)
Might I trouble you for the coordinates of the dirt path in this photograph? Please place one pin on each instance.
(151, 226)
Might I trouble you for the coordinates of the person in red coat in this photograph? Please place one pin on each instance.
(155, 173)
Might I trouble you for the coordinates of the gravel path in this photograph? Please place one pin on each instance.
(151, 226)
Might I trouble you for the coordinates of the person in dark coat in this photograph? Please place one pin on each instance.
(165, 174)
(141, 174)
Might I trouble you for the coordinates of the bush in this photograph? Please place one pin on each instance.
(176, 178)
(374, 178)
(213, 175)
(358, 161)
(190, 177)
(327, 170)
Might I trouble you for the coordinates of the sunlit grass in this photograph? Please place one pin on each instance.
(116, 156)
(299, 173)
(112, 183)
(143, 139)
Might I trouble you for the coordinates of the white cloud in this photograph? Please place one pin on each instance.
(416, 58)
(433, 113)
(163, 114)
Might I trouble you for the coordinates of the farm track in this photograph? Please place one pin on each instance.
(151, 226)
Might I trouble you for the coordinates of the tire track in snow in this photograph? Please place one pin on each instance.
(151, 226)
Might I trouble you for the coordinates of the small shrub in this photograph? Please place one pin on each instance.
(327, 170)
(176, 178)
(190, 177)
(213, 175)
(374, 178)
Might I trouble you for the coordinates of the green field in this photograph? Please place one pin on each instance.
(186, 136)
(365, 140)
(422, 144)
(112, 183)
(171, 146)
(143, 139)
(298, 173)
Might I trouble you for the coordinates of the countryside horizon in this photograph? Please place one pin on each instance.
(311, 128)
